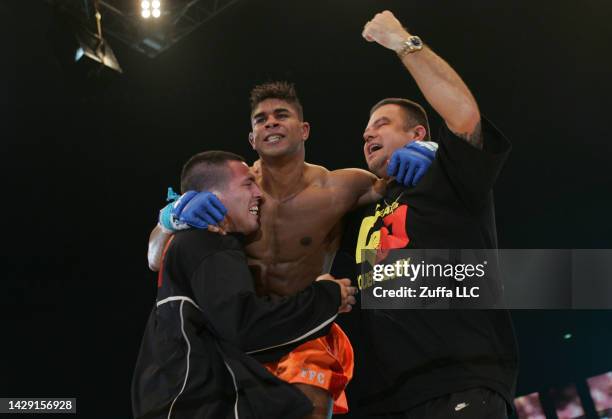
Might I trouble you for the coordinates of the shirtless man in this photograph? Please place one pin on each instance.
(302, 206)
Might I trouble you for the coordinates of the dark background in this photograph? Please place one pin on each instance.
(87, 166)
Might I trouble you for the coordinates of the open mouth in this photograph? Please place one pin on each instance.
(254, 210)
(372, 148)
(273, 139)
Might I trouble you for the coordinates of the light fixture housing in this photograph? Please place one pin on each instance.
(97, 49)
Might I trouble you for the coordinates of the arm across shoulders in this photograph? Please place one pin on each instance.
(358, 186)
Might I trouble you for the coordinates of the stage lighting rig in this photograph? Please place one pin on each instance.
(148, 26)
(150, 9)
(95, 46)
(90, 42)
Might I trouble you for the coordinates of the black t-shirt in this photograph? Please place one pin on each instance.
(406, 357)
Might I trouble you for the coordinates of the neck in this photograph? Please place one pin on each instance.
(282, 178)
(382, 173)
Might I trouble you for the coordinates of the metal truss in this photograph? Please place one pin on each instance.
(121, 20)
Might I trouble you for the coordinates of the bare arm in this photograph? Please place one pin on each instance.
(440, 84)
(359, 187)
(157, 241)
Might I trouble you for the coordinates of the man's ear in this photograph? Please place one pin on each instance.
(419, 133)
(251, 140)
(305, 130)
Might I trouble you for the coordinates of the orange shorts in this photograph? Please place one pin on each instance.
(326, 362)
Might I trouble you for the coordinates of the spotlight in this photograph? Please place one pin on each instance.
(146, 7)
(95, 48)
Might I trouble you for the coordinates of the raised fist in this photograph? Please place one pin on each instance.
(385, 29)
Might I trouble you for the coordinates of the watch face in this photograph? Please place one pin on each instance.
(416, 41)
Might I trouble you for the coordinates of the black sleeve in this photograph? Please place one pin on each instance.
(224, 290)
(473, 171)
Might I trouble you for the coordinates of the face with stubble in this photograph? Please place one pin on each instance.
(385, 133)
(277, 130)
(241, 197)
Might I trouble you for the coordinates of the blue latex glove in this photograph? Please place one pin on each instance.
(192, 209)
(409, 163)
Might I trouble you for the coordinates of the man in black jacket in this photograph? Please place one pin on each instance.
(209, 331)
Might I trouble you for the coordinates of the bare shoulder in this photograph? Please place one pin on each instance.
(343, 178)
(316, 175)
(357, 185)
(256, 167)
(352, 178)
(354, 186)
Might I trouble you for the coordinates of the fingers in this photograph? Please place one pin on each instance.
(385, 29)
(213, 208)
(197, 220)
(213, 229)
(215, 214)
(410, 173)
(350, 298)
(220, 228)
(200, 209)
(392, 166)
(366, 33)
(371, 30)
(347, 305)
(217, 206)
(347, 292)
(345, 309)
(348, 295)
(419, 174)
(324, 277)
(344, 281)
(224, 226)
(401, 173)
(183, 201)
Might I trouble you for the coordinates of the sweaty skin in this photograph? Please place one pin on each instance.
(300, 213)
(300, 232)
(302, 204)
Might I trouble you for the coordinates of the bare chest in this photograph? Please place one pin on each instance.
(296, 227)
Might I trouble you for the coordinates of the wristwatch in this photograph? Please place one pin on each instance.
(410, 45)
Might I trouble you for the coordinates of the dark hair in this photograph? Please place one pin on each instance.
(276, 90)
(415, 114)
(206, 170)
